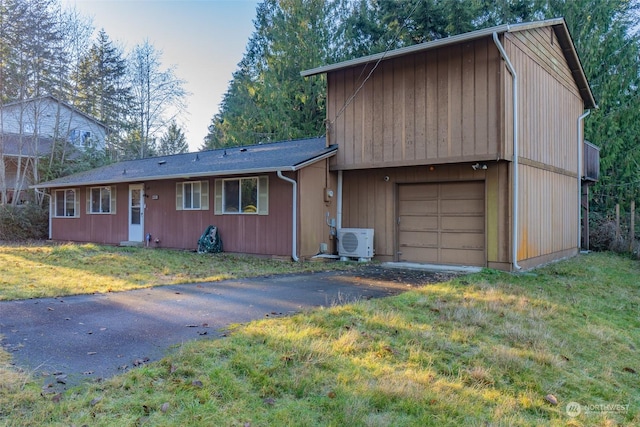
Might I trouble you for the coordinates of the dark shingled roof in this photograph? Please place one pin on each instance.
(262, 158)
(15, 145)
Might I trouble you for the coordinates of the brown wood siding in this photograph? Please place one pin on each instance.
(371, 202)
(549, 100)
(243, 233)
(312, 227)
(548, 213)
(110, 229)
(432, 107)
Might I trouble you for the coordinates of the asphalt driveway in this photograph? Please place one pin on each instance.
(67, 340)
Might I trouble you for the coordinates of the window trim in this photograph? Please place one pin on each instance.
(204, 196)
(262, 195)
(112, 200)
(76, 203)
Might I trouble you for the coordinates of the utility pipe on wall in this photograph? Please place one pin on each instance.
(339, 202)
(514, 231)
(294, 214)
(580, 119)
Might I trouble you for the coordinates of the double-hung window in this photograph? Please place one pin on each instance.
(101, 200)
(242, 196)
(192, 195)
(66, 203)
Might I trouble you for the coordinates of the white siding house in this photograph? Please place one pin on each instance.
(48, 117)
(30, 129)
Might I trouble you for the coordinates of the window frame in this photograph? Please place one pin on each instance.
(203, 196)
(261, 196)
(110, 203)
(76, 203)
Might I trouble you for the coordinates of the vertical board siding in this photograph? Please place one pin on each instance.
(548, 213)
(243, 233)
(549, 100)
(314, 210)
(370, 201)
(430, 106)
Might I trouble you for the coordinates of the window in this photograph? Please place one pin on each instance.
(66, 203)
(79, 137)
(242, 195)
(101, 200)
(193, 195)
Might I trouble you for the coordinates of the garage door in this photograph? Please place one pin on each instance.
(442, 223)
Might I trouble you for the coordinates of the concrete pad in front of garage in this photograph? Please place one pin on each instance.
(463, 269)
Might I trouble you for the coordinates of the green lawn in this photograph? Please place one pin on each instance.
(483, 349)
(35, 271)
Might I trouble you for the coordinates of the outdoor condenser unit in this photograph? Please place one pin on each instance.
(355, 243)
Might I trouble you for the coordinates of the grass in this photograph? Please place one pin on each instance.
(37, 270)
(483, 349)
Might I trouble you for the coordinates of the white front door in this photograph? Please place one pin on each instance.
(136, 213)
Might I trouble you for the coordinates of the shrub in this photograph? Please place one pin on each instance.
(23, 222)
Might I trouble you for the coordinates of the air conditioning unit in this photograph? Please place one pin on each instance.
(355, 243)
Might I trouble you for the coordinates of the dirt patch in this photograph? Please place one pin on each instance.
(376, 273)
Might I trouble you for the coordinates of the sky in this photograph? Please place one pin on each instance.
(204, 39)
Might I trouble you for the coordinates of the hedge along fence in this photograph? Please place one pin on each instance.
(23, 222)
(616, 232)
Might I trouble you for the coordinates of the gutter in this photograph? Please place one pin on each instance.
(515, 177)
(580, 136)
(294, 226)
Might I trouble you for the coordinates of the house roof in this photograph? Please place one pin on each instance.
(262, 158)
(559, 26)
(54, 99)
(15, 145)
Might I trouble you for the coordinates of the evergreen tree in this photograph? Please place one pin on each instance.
(173, 141)
(268, 100)
(103, 89)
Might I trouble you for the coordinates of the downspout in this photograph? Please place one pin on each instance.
(580, 119)
(339, 202)
(294, 231)
(514, 230)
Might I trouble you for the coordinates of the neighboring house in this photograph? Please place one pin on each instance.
(464, 150)
(28, 130)
(249, 193)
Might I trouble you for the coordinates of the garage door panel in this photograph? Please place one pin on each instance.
(418, 192)
(464, 223)
(419, 207)
(419, 239)
(462, 207)
(462, 190)
(418, 223)
(462, 257)
(424, 255)
(462, 240)
(442, 223)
